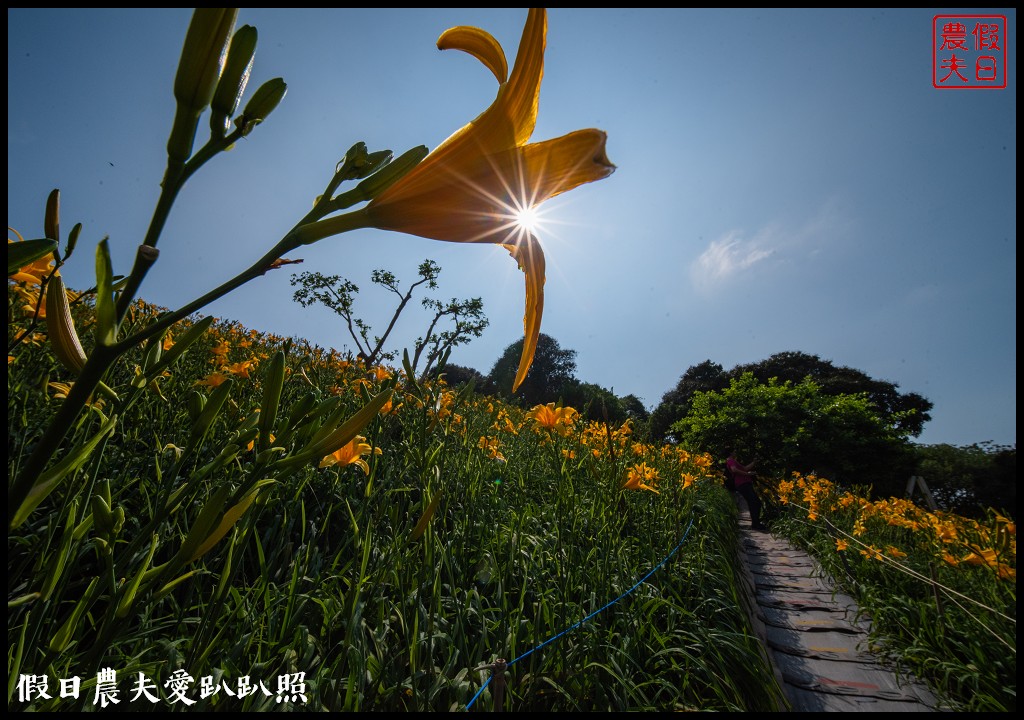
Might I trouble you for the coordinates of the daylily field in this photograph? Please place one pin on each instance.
(206, 517)
(199, 535)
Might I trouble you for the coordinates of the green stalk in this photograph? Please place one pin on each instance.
(103, 357)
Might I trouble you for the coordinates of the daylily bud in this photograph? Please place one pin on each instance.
(72, 240)
(104, 519)
(202, 59)
(203, 56)
(61, 328)
(391, 173)
(267, 97)
(51, 221)
(233, 80)
(358, 164)
(118, 520)
(354, 158)
(374, 161)
(196, 404)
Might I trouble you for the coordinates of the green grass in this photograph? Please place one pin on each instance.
(322, 574)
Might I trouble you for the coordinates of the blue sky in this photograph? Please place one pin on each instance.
(787, 180)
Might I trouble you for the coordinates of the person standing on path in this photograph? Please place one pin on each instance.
(743, 477)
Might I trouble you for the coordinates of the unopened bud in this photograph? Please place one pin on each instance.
(202, 59)
(233, 80)
(196, 404)
(203, 56)
(51, 221)
(354, 159)
(388, 175)
(72, 240)
(262, 103)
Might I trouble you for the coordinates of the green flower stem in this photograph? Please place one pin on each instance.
(302, 234)
(174, 180)
(103, 357)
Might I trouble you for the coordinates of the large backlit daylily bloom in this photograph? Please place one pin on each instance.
(472, 186)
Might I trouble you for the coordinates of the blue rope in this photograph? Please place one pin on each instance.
(573, 627)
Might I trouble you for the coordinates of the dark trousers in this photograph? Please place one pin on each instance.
(753, 502)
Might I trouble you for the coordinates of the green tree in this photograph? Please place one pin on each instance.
(675, 404)
(552, 368)
(467, 322)
(593, 401)
(637, 412)
(338, 295)
(459, 375)
(967, 480)
(906, 412)
(797, 427)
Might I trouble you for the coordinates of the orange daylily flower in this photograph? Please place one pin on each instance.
(871, 552)
(242, 369)
(35, 271)
(351, 454)
(549, 417)
(641, 477)
(473, 185)
(212, 380)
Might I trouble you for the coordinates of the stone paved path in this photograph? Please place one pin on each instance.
(816, 643)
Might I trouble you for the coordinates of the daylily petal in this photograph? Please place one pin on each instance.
(552, 167)
(475, 200)
(478, 43)
(511, 118)
(470, 188)
(530, 256)
(25, 277)
(522, 94)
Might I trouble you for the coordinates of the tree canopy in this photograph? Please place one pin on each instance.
(905, 412)
(454, 323)
(968, 480)
(552, 368)
(798, 427)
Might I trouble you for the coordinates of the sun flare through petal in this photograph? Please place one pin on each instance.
(485, 183)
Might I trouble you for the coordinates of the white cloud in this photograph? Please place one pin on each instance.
(732, 254)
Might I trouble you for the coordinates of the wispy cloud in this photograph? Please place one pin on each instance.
(734, 253)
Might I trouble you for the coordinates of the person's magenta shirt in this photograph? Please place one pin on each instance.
(739, 475)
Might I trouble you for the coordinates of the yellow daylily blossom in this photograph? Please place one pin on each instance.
(560, 419)
(871, 552)
(491, 446)
(61, 391)
(35, 271)
(351, 454)
(472, 186)
(641, 477)
(212, 380)
(242, 369)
